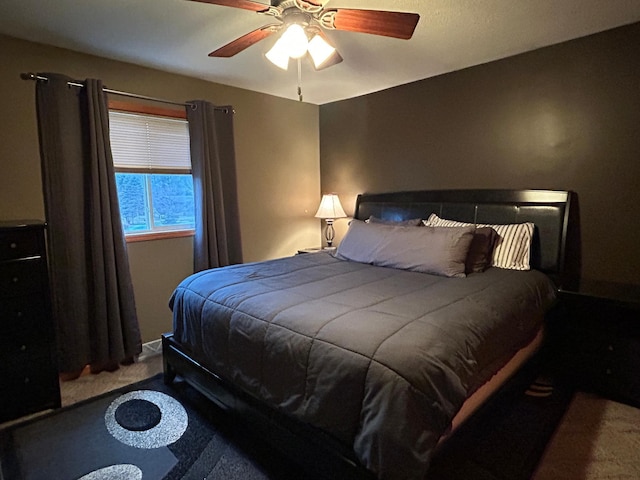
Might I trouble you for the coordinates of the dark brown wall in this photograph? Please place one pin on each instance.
(561, 117)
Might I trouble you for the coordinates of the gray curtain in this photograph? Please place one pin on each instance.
(217, 238)
(91, 290)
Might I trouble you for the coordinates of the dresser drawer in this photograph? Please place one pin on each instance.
(28, 394)
(34, 367)
(23, 349)
(620, 371)
(22, 313)
(19, 244)
(19, 277)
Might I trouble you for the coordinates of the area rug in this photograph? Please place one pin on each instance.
(149, 431)
(144, 431)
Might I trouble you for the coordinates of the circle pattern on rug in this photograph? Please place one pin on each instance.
(115, 472)
(138, 415)
(172, 425)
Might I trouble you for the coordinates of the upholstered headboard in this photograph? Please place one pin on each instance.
(547, 209)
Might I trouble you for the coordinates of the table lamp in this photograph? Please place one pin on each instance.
(329, 210)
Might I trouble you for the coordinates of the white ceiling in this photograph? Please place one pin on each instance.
(177, 35)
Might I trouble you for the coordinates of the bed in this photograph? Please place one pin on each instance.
(361, 363)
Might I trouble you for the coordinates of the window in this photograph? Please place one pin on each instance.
(152, 161)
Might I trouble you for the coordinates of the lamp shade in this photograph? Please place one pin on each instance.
(295, 40)
(279, 55)
(293, 43)
(320, 51)
(330, 207)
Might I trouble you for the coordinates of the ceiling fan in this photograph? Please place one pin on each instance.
(302, 23)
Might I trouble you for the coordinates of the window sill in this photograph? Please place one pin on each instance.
(148, 236)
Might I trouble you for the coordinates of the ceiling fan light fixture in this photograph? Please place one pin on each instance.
(319, 50)
(295, 40)
(299, 20)
(279, 55)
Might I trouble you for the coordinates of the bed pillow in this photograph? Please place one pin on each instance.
(439, 251)
(413, 222)
(512, 248)
(481, 250)
(480, 256)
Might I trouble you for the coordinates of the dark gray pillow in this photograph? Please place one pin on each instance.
(435, 250)
(481, 250)
(413, 222)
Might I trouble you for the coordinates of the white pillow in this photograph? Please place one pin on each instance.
(513, 247)
(439, 251)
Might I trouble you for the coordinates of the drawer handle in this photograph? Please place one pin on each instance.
(14, 245)
(608, 371)
(19, 314)
(27, 379)
(23, 348)
(15, 279)
(610, 348)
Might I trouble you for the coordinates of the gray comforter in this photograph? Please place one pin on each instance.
(381, 358)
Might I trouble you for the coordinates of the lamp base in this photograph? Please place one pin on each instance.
(329, 233)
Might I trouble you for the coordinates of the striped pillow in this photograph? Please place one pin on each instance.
(513, 247)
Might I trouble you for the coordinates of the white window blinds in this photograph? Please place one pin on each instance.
(148, 143)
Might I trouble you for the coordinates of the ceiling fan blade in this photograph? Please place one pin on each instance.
(376, 22)
(245, 41)
(244, 4)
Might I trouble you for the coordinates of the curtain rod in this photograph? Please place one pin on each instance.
(35, 77)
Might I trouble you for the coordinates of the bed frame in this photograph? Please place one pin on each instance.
(318, 452)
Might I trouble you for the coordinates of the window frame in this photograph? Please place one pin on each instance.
(145, 109)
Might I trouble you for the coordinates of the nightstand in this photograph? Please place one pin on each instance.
(317, 249)
(598, 339)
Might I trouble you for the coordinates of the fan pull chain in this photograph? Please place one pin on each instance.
(299, 80)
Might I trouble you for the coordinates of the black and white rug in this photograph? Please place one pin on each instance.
(146, 431)
(149, 431)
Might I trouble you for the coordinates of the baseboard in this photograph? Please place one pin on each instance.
(150, 349)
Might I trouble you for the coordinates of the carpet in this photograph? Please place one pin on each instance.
(598, 439)
(506, 438)
(149, 431)
(146, 431)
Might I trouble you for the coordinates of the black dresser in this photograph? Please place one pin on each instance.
(28, 373)
(598, 338)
